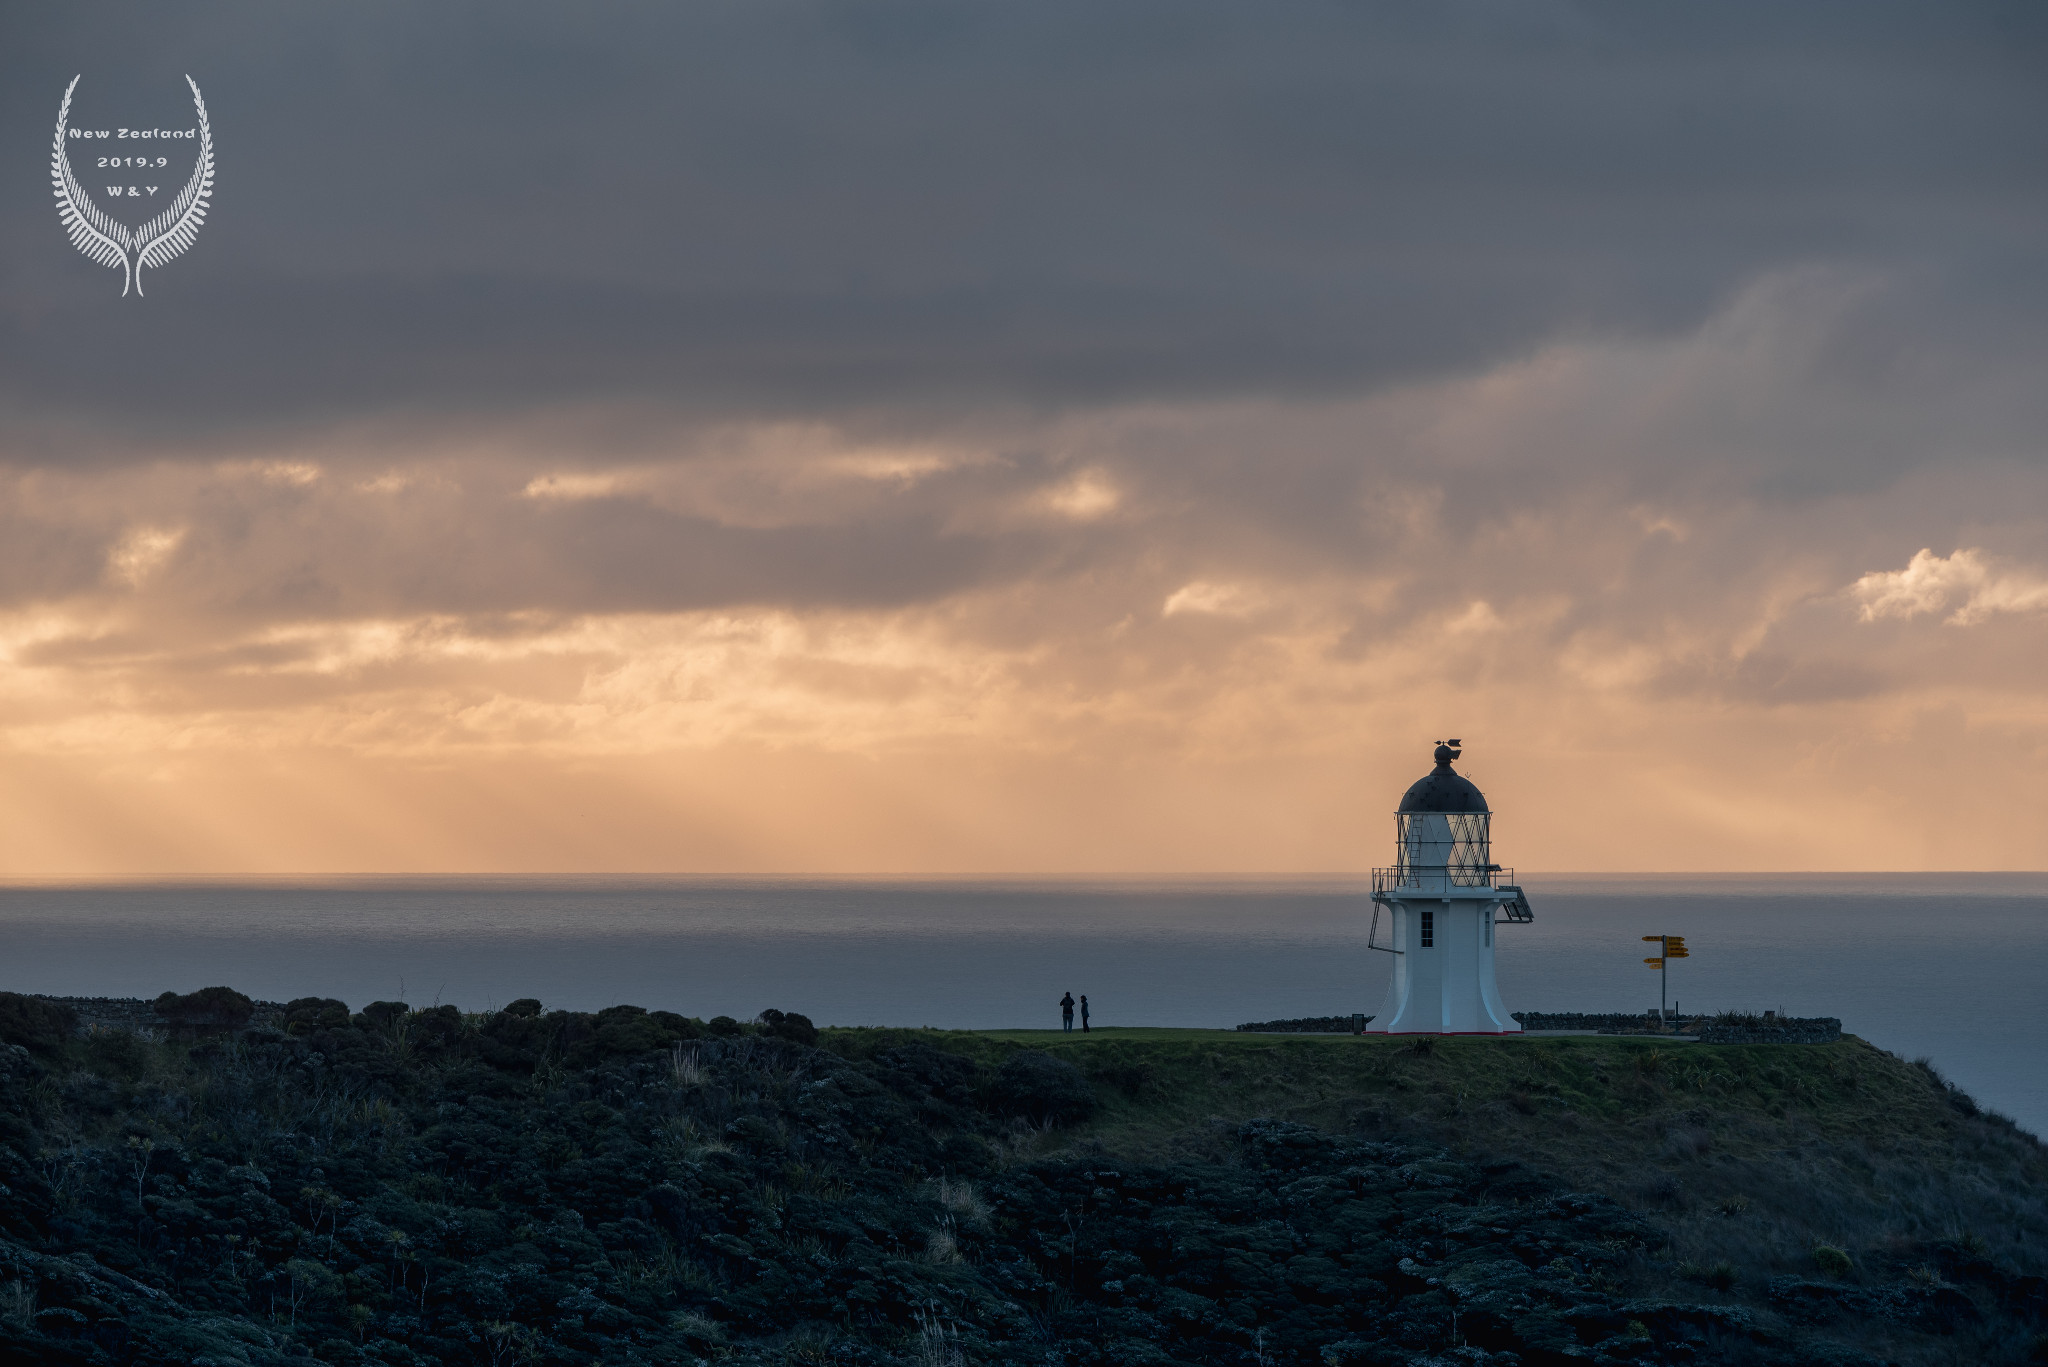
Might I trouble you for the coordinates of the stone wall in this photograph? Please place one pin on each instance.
(1606, 1022)
(1726, 1028)
(1308, 1025)
(1770, 1030)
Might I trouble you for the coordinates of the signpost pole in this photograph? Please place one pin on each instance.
(1669, 947)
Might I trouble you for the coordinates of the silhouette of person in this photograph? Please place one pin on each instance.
(1067, 1012)
(1084, 1013)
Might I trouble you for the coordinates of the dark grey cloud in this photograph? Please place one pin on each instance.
(768, 209)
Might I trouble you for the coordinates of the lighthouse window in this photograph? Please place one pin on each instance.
(1428, 929)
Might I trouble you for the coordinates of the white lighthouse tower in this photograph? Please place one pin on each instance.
(1444, 896)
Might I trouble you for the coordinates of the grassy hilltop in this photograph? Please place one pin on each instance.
(1750, 1157)
(399, 1186)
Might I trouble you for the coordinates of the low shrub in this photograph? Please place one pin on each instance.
(625, 1030)
(116, 1053)
(790, 1025)
(382, 1016)
(39, 1026)
(1038, 1087)
(209, 1010)
(1129, 1078)
(304, 1015)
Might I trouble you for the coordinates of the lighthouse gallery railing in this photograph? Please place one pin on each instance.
(1441, 878)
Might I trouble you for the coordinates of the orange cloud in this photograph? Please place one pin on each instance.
(1086, 640)
(1929, 583)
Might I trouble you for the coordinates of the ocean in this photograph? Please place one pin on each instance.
(1946, 966)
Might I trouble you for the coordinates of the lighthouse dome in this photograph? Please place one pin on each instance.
(1443, 789)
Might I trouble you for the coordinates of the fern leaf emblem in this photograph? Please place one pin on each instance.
(109, 243)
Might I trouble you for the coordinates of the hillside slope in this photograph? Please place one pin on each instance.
(396, 1186)
(1746, 1158)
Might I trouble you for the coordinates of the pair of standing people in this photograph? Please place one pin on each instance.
(1067, 1012)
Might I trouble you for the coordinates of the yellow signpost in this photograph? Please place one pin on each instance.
(1669, 947)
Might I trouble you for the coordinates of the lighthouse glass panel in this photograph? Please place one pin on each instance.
(1452, 847)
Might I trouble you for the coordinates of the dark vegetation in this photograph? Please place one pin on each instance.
(210, 1010)
(530, 1186)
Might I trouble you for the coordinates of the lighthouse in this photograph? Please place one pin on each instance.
(1444, 898)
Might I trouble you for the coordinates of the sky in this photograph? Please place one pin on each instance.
(890, 436)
